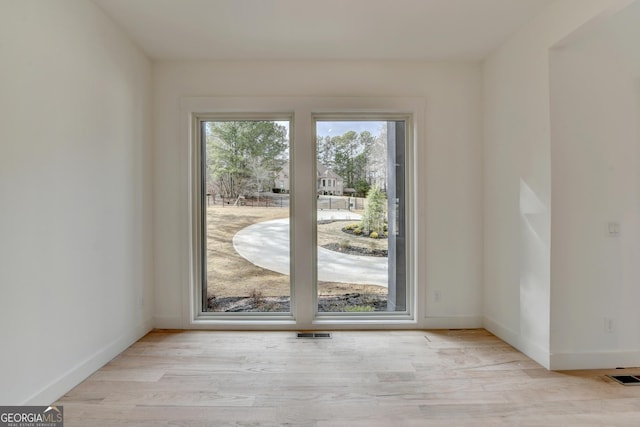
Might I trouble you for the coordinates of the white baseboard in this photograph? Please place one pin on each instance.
(532, 350)
(168, 322)
(74, 376)
(444, 322)
(595, 360)
(452, 322)
(501, 331)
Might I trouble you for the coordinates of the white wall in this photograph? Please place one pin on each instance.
(595, 106)
(517, 179)
(75, 196)
(450, 182)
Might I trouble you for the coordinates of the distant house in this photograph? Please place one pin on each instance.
(328, 182)
(281, 182)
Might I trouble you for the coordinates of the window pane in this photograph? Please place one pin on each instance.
(246, 218)
(361, 259)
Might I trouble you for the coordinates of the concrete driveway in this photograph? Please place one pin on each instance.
(266, 244)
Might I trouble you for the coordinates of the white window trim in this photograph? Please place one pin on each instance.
(302, 110)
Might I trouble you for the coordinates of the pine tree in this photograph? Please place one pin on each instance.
(241, 155)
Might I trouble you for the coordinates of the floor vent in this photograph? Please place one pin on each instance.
(626, 379)
(314, 335)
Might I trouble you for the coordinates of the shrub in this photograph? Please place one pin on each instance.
(374, 217)
(344, 244)
(257, 297)
(358, 308)
(373, 235)
(357, 231)
(334, 307)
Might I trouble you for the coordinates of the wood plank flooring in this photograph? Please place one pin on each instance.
(372, 378)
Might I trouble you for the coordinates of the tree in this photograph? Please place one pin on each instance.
(356, 157)
(362, 187)
(326, 151)
(375, 216)
(378, 162)
(232, 148)
(260, 172)
(351, 155)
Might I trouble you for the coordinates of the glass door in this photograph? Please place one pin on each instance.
(246, 188)
(361, 258)
(300, 230)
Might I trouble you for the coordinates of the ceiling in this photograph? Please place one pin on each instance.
(320, 29)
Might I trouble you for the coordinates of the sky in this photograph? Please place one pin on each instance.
(335, 128)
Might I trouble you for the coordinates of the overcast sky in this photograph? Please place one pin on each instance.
(340, 128)
(335, 128)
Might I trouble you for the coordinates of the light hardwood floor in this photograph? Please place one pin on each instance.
(373, 378)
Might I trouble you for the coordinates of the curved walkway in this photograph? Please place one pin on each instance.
(266, 244)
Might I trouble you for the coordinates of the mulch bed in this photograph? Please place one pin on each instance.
(356, 250)
(326, 303)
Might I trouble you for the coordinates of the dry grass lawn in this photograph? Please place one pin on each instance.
(230, 275)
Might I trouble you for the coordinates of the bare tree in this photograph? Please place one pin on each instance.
(260, 172)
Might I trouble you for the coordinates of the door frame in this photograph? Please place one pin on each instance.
(302, 146)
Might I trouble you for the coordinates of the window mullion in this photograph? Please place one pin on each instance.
(303, 219)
